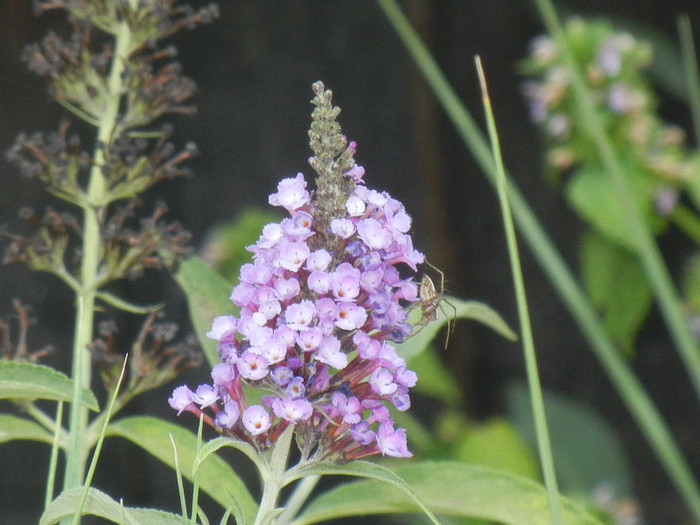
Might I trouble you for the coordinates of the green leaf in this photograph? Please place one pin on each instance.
(32, 381)
(451, 309)
(448, 488)
(593, 195)
(100, 504)
(586, 450)
(617, 286)
(216, 444)
(226, 245)
(436, 380)
(207, 295)
(497, 444)
(215, 476)
(13, 427)
(365, 469)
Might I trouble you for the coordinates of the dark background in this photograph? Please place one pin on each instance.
(254, 67)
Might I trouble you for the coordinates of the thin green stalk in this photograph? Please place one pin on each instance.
(195, 481)
(98, 447)
(178, 474)
(78, 447)
(650, 256)
(630, 389)
(53, 460)
(541, 428)
(690, 68)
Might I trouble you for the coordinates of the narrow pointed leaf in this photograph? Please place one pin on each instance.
(100, 504)
(32, 381)
(215, 476)
(447, 488)
(13, 427)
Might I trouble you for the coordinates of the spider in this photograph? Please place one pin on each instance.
(431, 302)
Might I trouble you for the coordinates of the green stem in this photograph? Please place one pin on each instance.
(273, 477)
(93, 211)
(533, 378)
(618, 370)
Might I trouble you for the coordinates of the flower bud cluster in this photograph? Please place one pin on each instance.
(612, 63)
(319, 311)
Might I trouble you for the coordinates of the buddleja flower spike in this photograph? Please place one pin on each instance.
(320, 306)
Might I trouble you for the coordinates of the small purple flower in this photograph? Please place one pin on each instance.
(252, 366)
(300, 315)
(181, 399)
(292, 255)
(362, 433)
(350, 316)
(291, 193)
(318, 260)
(609, 58)
(382, 381)
(228, 417)
(350, 408)
(309, 340)
(373, 233)
(392, 442)
(256, 419)
(293, 410)
(296, 388)
(223, 374)
(282, 375)
(330, 354)
(223, 328)
(346, 287)
(343, 228)
(319, 282)
(619, 98)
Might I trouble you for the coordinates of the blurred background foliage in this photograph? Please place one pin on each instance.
(254, 68)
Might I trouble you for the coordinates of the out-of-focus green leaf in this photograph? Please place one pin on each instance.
(448, 488)
(615, 282)
(435, 380)
(207, 295)
(497, 444)
(587, 453)
(593, 195)
(215, 476)
(32, 381)
(13, 427)
(225, 248)
(100, 504)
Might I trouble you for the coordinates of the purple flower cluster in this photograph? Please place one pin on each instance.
(318, 311)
